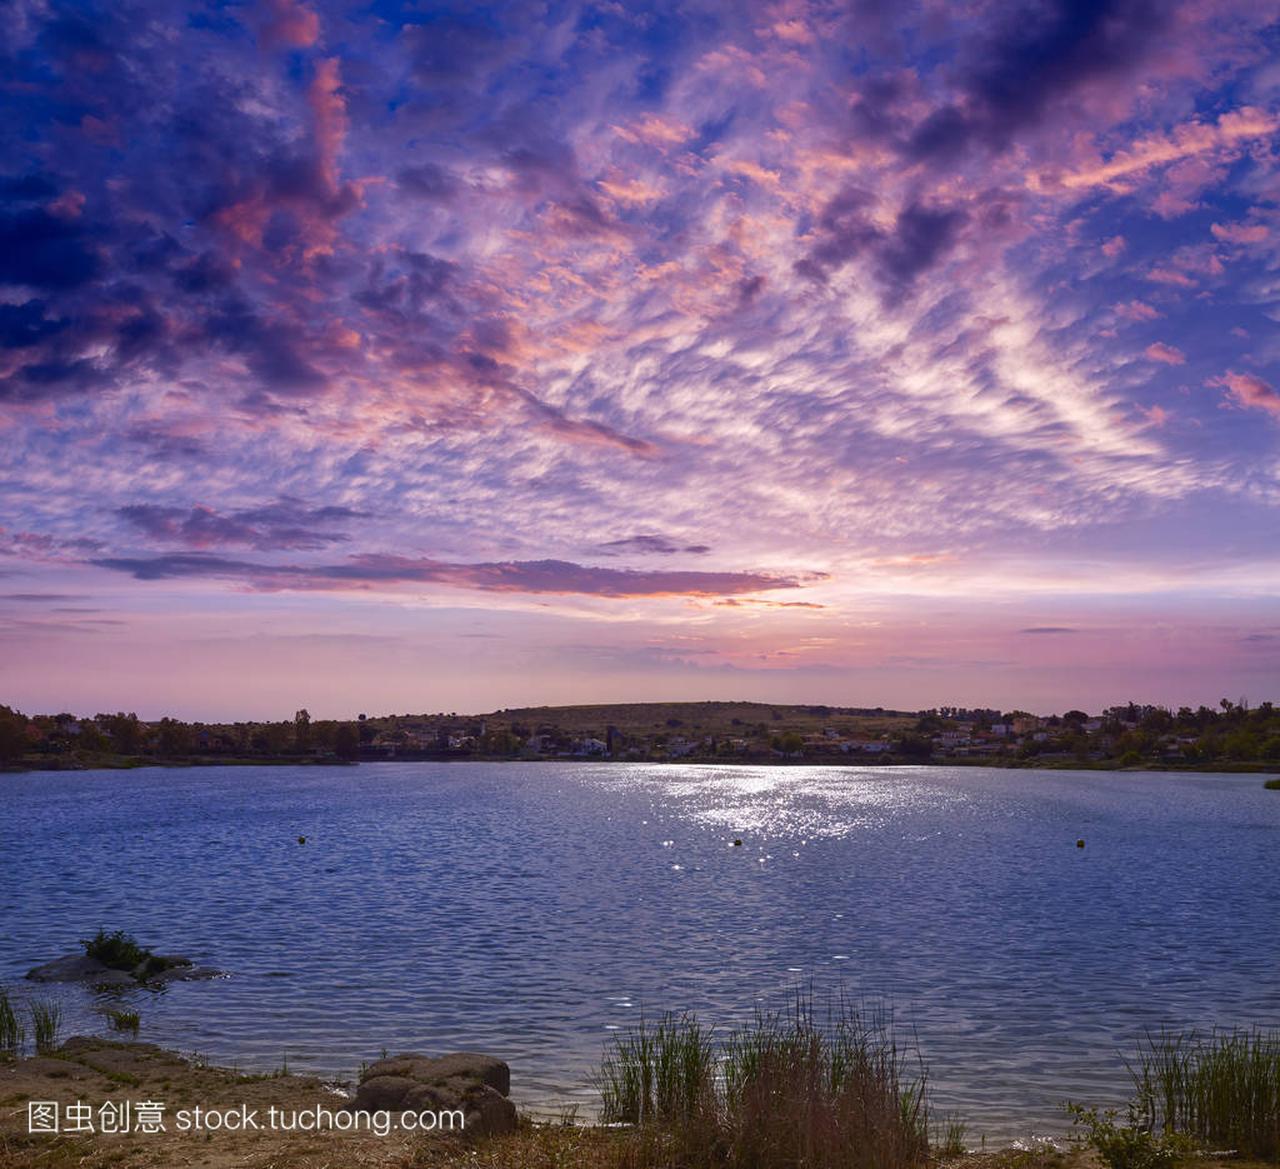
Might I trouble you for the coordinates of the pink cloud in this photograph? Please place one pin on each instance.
(290, 25)
(329, 108)
(1137, 310)
(1249, 392)
(1114, 246)
(1165, 354)
(1240, 233)
(1161, 275)
(1124, 168)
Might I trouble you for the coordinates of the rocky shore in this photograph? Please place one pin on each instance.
(283, 1120)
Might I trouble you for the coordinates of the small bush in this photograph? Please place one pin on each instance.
(1128, 1146)
(117, 950)
(1273, 785)
(46, 1019)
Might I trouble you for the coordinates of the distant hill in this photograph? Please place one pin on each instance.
(705, 718)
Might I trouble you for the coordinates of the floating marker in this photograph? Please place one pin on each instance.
(1080, 843)
(302, 840)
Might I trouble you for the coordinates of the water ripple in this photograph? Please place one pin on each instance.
(532, 910)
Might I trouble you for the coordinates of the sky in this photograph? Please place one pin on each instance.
(388, 357)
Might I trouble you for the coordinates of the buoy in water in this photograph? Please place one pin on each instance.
(1080, 843)
(302, 840)
(737, 842)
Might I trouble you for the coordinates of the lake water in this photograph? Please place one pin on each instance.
(527, 910)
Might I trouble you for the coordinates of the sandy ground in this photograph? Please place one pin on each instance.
(95, 1072)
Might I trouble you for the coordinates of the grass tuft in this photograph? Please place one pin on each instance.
(46, 1020)
(12, 1032)
(790, 1090)
(951, 1137)
(1222, 1090)
(125, 1020)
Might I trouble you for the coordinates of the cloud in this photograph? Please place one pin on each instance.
(1034, 57)
(1050, 629)
(1165, 354)
(1186, 141)
(1249, 392)
(653, 544)
(1137, 310)
(530, 576)
(921, 237)
(1240, 233)
(289, 24)
(285, 524)
(429, 181)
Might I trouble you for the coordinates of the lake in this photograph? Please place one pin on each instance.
(527, 910)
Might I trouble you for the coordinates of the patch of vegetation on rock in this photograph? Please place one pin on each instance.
(116, 950)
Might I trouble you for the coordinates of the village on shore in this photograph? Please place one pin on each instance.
(1232, 736)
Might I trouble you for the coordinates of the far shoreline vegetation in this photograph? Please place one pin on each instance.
(1232, 737)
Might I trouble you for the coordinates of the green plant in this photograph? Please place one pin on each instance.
(46, 1019)
(12, 1033)
(657, 1073)
(791, 1089)
(1222, 1090)
(125, 1020)
(117, 950)
(1273, 785)
(1127, 1146)
(951, 1140)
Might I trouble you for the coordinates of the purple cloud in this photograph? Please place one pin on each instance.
(529, 576)
(281, 525)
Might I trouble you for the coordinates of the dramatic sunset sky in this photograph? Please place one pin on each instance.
(399, 357)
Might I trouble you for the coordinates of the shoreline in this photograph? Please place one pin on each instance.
(96, 1071)
(136, 763)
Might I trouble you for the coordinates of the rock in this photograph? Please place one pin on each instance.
(487, 1112)
(465, 1065)
(475, 1085)
(382, 1093)
(79, 968)
(157, 970)
(187, 973)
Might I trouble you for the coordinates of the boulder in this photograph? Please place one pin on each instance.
(79, 968)
(475, 1085)
(157, 970)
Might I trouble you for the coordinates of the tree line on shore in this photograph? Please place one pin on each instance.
(1130, 735)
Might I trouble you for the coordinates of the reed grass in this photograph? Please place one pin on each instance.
(792, 1089)
(12, 1033)
(46, 1020)
(125, 1020)
(658, 1072)
(1222, 1090)
(952, 1134)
